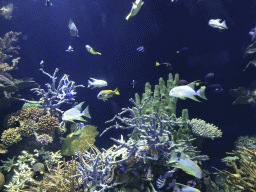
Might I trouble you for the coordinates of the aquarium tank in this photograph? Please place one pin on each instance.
(127, 96)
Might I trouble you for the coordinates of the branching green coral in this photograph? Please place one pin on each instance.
(49, 157)
(8, 165)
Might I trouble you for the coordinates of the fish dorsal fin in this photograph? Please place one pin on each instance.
(79, 106)
(93, 79)
(192, 84)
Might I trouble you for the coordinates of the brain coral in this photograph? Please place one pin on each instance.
(10, 136)
(79, 142)
(31, 113)
(48, 123)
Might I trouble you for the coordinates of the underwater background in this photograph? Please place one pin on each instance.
(170, 32)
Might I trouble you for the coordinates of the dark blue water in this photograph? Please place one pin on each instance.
(163, 28)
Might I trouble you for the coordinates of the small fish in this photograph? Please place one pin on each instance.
(122, 168)
(215, 23)
(91, 50)
(160, 182)
(78, 129)
(209, 76)
(70, 94)
(96, 83)
(6, 11)
(181, 82)
(70, 49)
(105, 94)
(185, 188)
(253, 33)
(133, 83)
(188, 91)
(183, 49)
(135, 8)
(73, 29)
(182, 161)
(41, 64)
(216, 88)
(168, 65)
(140, 49)
(76, 114)
(48, 3)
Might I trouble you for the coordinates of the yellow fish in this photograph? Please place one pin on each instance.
(135, 9)
(105, 94)
(182, 161)
(91, 50)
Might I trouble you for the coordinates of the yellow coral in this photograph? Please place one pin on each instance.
(10, 136)
(28, 127)
(48, 123)
(80, 142)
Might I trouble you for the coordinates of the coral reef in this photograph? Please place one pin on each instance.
(245, 141)
(2, 180)
(200, 128)
(28, 127)
(79, 142)
(244, 177)
(55, 96)
(49, 157)
(48, 123)
(11, 136)
(44, 139)
(160, 102)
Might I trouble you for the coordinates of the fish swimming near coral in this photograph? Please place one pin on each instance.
(77, 129)
(135, 9)
(182, 161)
(70, 49)
(73, 29)
(105, 94)
(160, 182)
(188, 91)
(168, 66)
(76, 114)
(6, 11)
(91, 50)
(96, 83)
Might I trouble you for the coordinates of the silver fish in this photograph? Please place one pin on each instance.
(76, 114)
(73, 29)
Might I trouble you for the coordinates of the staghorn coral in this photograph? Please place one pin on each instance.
(244, 177)
(48, 123)
(200, 128)
(28, 127)
(79, 142)
(49, 157)
(11, 136)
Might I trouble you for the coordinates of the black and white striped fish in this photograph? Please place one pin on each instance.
(160, 182)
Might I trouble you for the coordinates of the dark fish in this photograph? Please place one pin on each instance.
(216, 88)
(140, 49)
(181, 82)
(122, 168)
(167, 65)
(209, 76)
(183, 49)
(48, 3)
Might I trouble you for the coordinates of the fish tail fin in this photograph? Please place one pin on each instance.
(86, 112)
(201, 93)
(98, 53)
(157, 64)
(128, 16)
(89, 83)
(116, 91)
(224, 24)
